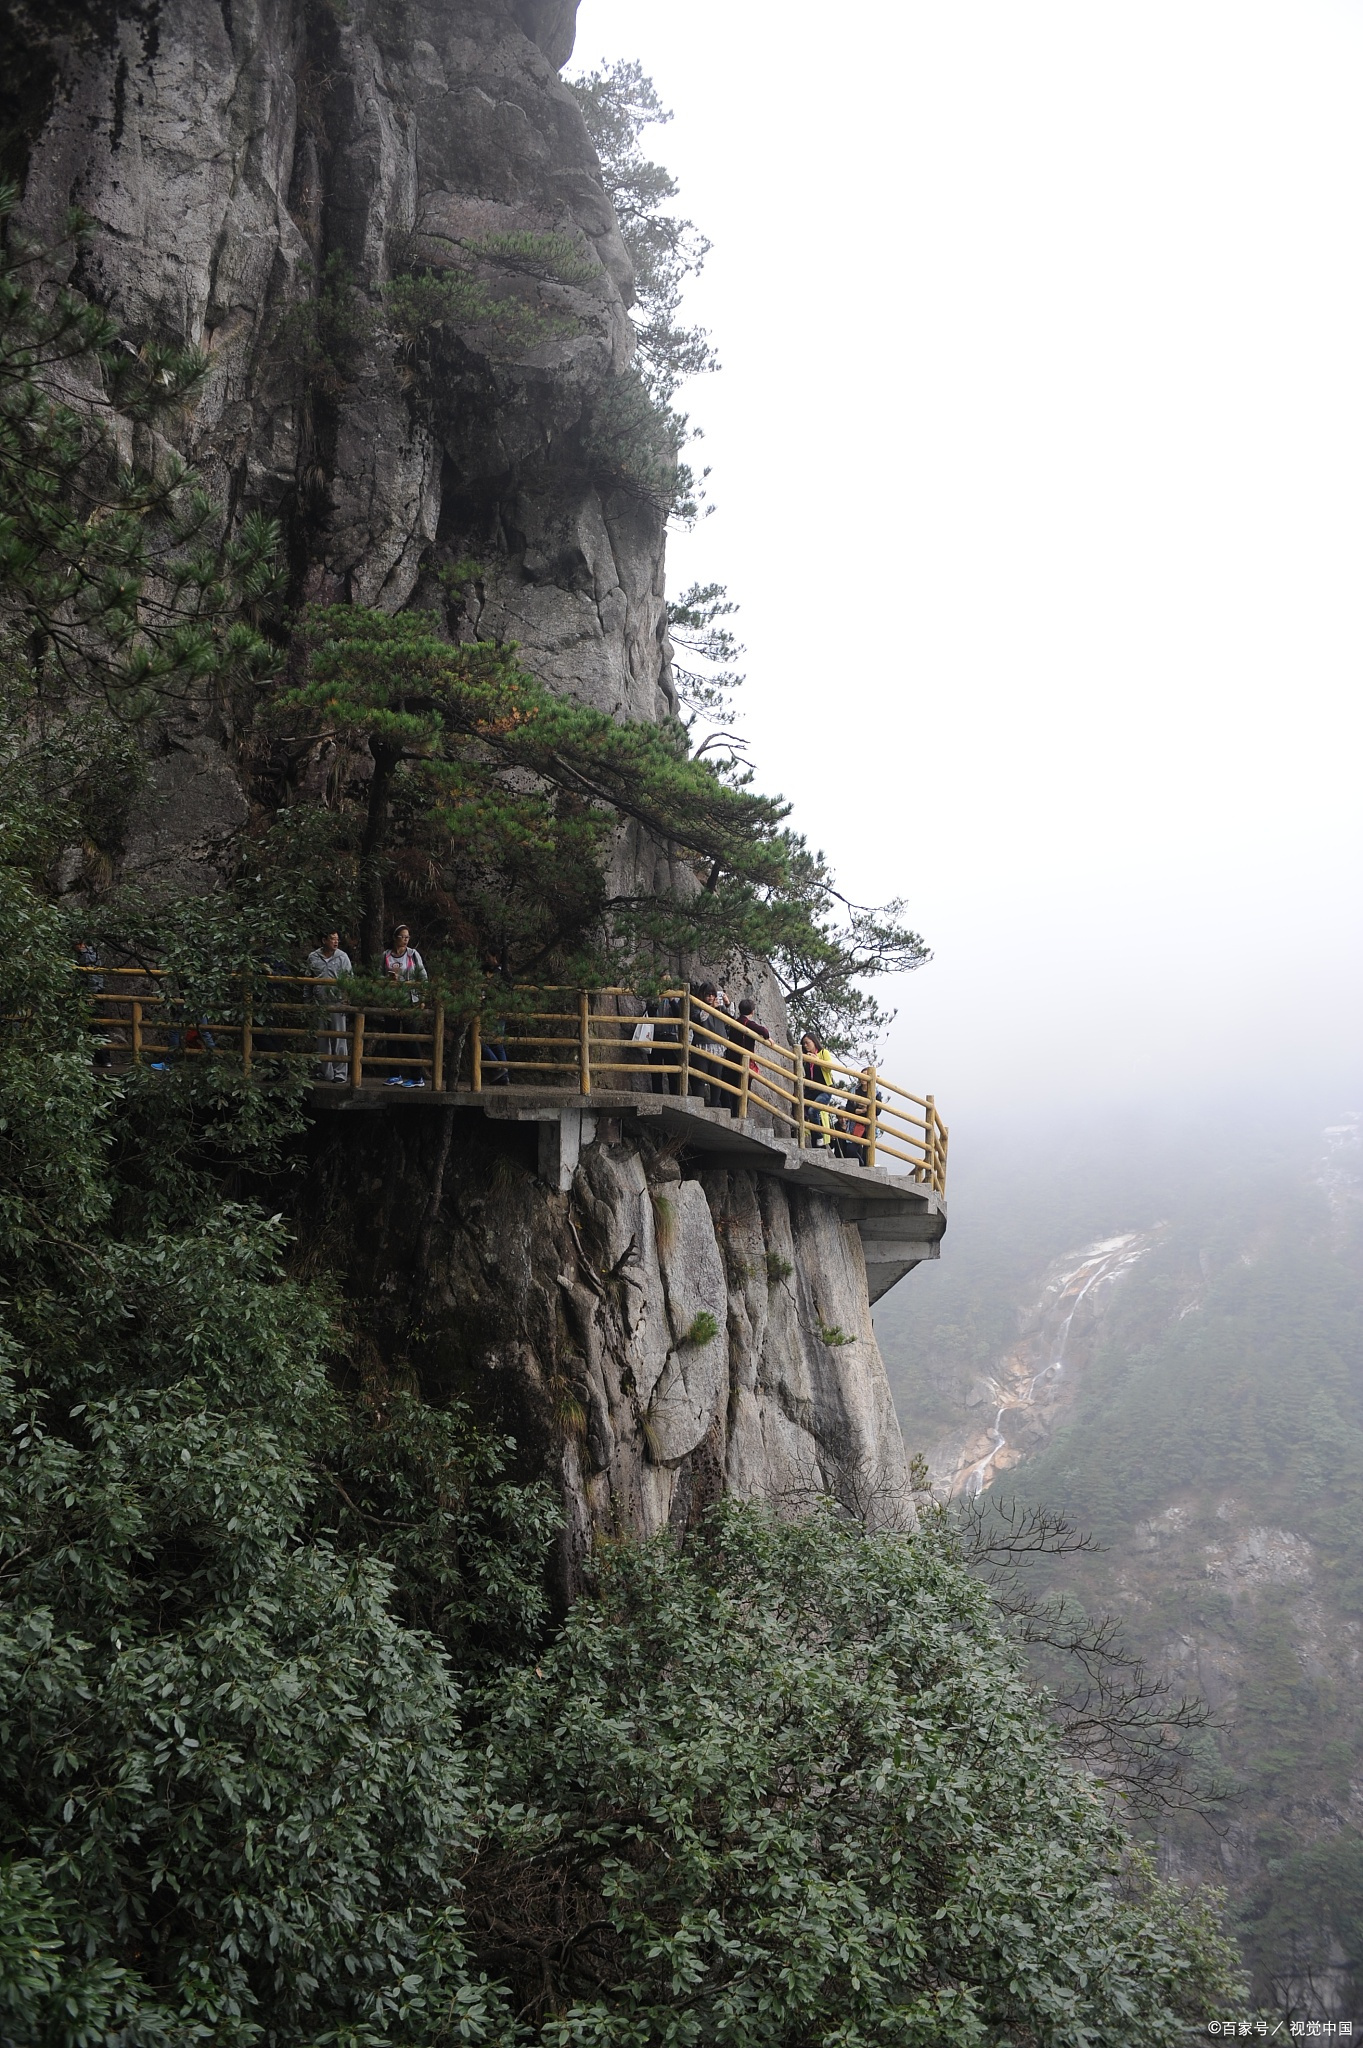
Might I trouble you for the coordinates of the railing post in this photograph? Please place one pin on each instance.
(357, 1064)
(246, 1024)
(476, 1052)
(800, 1137)
(584, 1050)
(686, 1045)
(745, 1054)
(871, 1119)
(137, 1032)
(930, 1154)
(438, 1050)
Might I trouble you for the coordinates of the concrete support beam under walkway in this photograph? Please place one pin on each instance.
(900, 1220)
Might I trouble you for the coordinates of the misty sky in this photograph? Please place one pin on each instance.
(1038, 458)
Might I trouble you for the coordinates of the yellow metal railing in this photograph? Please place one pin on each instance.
(587, 1042)
(696, 1049)
(140, 1019)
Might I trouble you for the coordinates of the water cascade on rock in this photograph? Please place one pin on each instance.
(1069, 1284)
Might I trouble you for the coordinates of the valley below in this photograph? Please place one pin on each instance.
(1184, 1383)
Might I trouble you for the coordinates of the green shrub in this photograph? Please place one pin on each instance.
(422, 305)
(558, 256)
(790, 1788)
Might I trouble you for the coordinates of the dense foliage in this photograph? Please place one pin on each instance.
(230, 1777)
(787, 1786)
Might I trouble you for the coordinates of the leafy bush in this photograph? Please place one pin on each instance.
(231, 1782)
(786, 1785)
(423, 303)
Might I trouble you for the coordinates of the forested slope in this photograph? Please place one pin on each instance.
(1209, 1433)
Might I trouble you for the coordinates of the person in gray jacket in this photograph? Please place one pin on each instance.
(328, 963)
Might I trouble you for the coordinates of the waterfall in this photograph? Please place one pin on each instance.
(1072, 1282)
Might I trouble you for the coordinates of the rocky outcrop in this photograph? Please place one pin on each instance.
(258, 176)
(654, 1336)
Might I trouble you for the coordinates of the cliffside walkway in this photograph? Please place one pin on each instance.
(566, 1064)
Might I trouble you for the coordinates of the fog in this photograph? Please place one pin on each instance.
(1038, 467)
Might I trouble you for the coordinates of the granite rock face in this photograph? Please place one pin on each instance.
(653, 1337)
(257, 176)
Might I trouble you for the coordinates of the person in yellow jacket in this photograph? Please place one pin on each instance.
(818, 1089)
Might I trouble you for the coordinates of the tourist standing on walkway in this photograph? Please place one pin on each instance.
(710, 1036)
(326, 963)
(855, 1122)
(641, 1038)
(495, 1062)
(749, 1028)
(402, 963)
(666, 1051)
(745, 1031)
(818, 1088)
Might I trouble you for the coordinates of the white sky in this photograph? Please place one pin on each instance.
(1038, 453)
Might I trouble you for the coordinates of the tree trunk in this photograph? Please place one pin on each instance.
(372, 850)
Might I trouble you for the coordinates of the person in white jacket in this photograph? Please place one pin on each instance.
(402, 963)
(327, 962)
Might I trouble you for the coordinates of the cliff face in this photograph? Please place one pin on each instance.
(258, 172)
(652, 1336)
